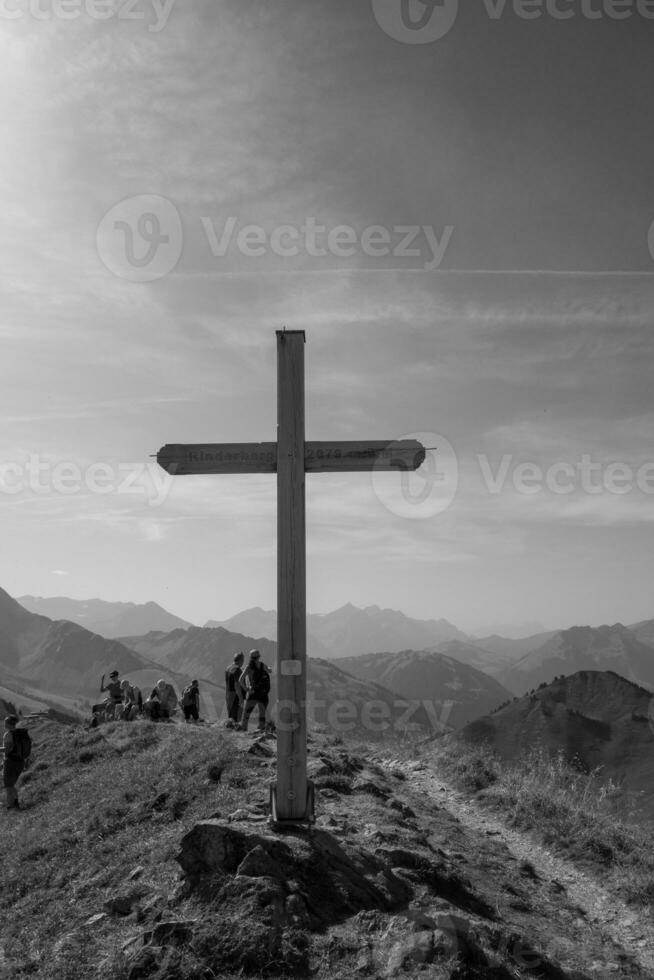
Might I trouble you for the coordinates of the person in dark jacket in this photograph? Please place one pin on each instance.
(256, 680)
(191, 701)
(13, 763)
(234, 693)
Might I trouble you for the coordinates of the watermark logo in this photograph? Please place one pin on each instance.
(416, 21)
(42, 476)
(565, 477)
(141, 238)
(426, 21)
(425, 492)
(312, 239)
(154, 13)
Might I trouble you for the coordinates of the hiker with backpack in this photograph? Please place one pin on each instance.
(191, 702)
(256, 681)
(17, 747)
(234, 693)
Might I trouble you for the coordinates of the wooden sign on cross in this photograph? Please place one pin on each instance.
(290, 458)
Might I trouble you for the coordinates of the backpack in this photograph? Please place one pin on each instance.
(260, 682)
(22, 744)
(188, 696)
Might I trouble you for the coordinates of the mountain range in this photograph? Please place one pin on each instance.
(454, 691)
(110, 619)
(615, 648)
(350, 631)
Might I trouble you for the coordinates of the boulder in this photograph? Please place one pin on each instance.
(335, 878)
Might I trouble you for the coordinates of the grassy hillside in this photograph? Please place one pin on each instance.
(596, 719)
(578, 814)
(98, 806)
(142, 854)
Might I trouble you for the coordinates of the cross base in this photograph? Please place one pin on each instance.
(295, 823)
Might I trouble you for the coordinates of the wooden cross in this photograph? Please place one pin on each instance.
(291, 457)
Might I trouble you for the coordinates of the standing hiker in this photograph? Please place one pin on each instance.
(16, 745)
(191, 701)
(234, 693)
(256, 679)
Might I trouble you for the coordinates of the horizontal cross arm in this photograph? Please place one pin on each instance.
(319, 457)
(361, 457)
(226, 457)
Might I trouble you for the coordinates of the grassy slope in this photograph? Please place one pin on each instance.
(579, 814)
(107, 801)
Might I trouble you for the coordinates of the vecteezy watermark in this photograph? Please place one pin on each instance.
(340, 241)
(426, 21)
(376, 717)
(422, 493)
(154, 13)
(564, 477)
(416, 21)
(41, 476)
(141, 238)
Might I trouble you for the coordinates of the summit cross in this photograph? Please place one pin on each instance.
(290, 458)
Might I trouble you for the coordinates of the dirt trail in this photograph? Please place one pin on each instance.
(631, 928)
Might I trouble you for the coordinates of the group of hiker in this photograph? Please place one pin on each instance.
(125, 702)
(247, 687)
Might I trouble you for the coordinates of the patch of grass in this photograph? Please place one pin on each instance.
(571, 809)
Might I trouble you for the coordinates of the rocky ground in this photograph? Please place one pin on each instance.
(401, 876)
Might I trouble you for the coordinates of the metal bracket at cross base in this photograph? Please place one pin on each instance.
(300, 823)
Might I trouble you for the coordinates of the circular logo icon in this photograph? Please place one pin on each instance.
(422, 493)
(416, 21)
(141, 238)
(650, 239)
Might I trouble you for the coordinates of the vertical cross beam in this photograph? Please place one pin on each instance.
(291, 789)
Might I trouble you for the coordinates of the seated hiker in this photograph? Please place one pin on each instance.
(17, 746)
(115, 693)
(152, 706)
(167, 697)
(234, 693)
(132, 703)
(256, 680)
(191, 702)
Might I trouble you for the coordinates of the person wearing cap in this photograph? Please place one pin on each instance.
(115, 692)
(256, 680)
(234, 693)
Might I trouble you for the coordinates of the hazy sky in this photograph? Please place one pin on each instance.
(491, 287)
